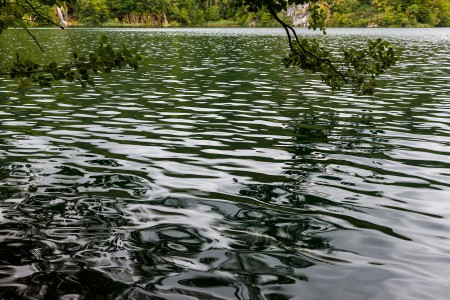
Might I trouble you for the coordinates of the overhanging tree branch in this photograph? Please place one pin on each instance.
(34, 38)
(288, 28)
(356, 67)
(103, 59)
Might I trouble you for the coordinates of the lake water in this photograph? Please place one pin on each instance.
(213, 172)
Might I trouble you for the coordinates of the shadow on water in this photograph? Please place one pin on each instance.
(56, 243)
(72, 248)
(63, 234)
(61, 245)
(66, 233)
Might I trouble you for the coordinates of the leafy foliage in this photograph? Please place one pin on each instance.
(347, 13)
(103, 59)
(357, 68)
(393, 13)
(13, 13)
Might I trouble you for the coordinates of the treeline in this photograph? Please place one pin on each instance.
(390, 13)
(160, 13)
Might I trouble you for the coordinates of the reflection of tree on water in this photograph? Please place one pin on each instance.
(310, 132)
(318, 139)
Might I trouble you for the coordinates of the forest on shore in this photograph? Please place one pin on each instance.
(164, 13)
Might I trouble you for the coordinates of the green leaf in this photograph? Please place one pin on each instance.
(70, 77)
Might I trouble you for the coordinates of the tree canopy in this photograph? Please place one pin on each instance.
(357, 68)
(345, 13)
(391, 13)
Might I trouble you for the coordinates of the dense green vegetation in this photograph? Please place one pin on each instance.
(158, 13)
(345, 13)
(390, 13)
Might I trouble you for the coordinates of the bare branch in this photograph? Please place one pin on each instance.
(34, 38)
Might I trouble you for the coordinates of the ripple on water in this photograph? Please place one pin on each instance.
(215, 173)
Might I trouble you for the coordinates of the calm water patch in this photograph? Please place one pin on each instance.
(214, 173)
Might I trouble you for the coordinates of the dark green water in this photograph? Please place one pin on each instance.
(215, 173)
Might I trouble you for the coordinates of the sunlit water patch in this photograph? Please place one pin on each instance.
(214, 173)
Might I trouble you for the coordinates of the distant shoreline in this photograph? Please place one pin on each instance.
(220, 26)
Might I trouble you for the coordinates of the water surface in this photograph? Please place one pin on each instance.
(214, 173)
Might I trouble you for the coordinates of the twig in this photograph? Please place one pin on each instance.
(68, 66)
(34, 38)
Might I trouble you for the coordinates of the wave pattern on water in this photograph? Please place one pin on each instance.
(214, 173)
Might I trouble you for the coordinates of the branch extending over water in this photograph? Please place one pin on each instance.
(355, 67)
(289, 29)
(34, 38)
(103, 59)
